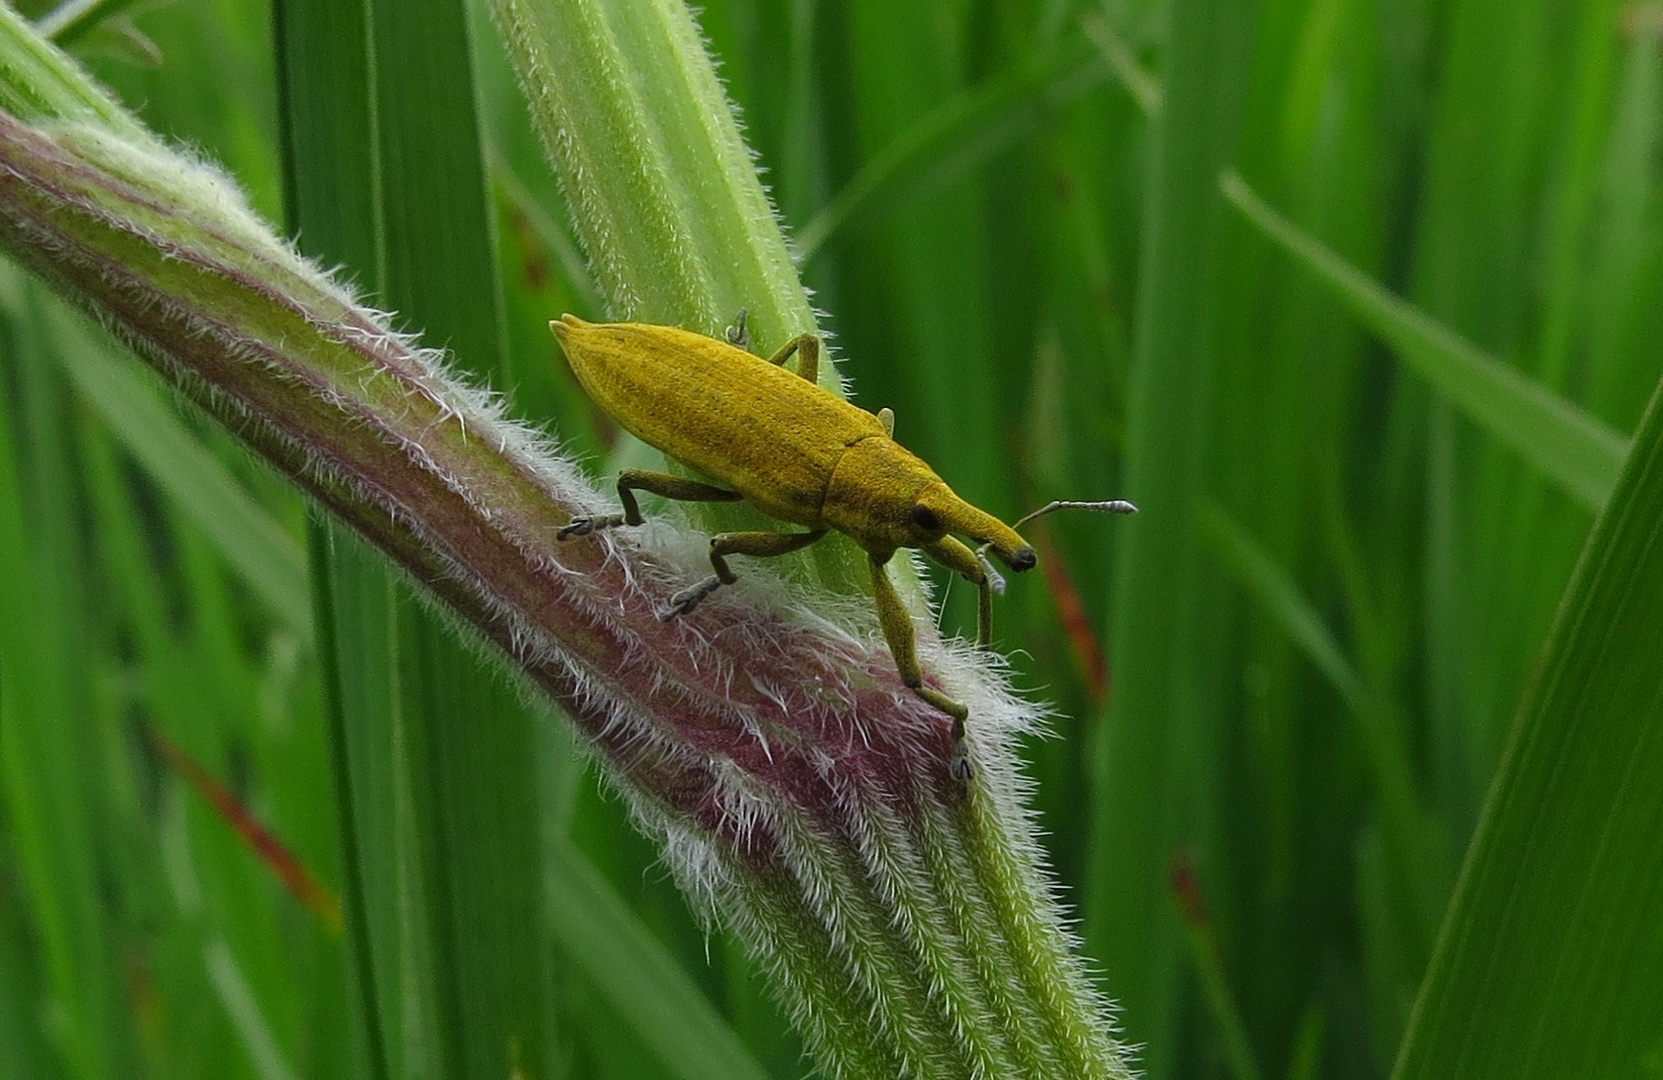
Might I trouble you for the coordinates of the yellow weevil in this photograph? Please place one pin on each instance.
(797, 453)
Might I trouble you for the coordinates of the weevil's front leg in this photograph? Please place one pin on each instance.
(670, 487)
(903, 646)
(761, 544)
(955, 556)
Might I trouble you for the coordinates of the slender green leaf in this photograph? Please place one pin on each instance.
(1561, 440)
(1420, 863)
(446, 919)
(952, 139)
(1550, 959)
(247, 535)
(620, 955)
(46, 720)
(1154, 779)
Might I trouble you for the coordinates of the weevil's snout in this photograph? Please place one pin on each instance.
(1023, 558)
(957, 516)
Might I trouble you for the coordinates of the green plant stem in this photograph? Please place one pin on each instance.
(906, 934)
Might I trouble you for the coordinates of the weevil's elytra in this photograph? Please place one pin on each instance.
(749, 425)
(775, 439)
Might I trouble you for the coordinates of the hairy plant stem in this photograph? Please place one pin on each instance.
(800, 791)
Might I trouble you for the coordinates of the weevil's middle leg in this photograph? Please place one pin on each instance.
(806, 347)
(903, 646)
(629, 480)
(759, 544)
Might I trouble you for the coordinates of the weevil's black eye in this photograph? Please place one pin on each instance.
(925, 518)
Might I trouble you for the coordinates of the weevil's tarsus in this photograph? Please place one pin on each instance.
(958, 756)
(995, 580)
(689, 598)
(739, 334)
(584, 526)
(761, 545)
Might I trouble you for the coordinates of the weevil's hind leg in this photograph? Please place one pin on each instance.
(903, 646)
(759, 544)
(806, 348)
(629, 480)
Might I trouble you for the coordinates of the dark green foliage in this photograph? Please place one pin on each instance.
(1319, 631)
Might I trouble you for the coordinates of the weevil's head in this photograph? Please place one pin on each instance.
(886, 498)
(939, 511)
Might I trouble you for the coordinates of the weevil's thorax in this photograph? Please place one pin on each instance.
(872, 492)
(885, 497)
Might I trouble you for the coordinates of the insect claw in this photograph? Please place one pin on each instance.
(959, 766)
(689, 598)
(739, 335)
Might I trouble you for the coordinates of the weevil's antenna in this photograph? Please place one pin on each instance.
(1107, 506)
(996, 580)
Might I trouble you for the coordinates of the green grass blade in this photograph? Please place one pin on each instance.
(1550, 961)
(245, 1013)
(953, 139)
(644, 984)
(449, 784)
(1143, 87)
(53, 808)
(23, 1049)
(474, 791)
(329, 188)
(1279, 594)
(252, 541)
(1154, 779)
(1417, 852)
(1565, 443)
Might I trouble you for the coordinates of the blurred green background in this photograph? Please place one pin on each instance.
(1281, 691)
